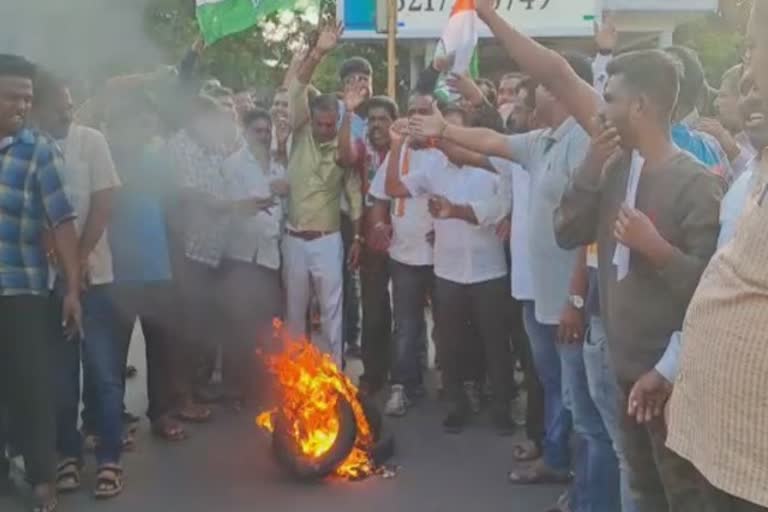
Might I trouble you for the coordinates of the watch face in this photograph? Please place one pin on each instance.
(577, 302)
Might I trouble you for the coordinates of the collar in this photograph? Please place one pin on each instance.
(24, 135)
(558, 134)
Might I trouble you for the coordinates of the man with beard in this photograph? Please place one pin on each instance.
(365, 157)
(90, 181)
(33, 199)
(718, 408)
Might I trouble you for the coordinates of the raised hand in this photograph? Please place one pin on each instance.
(603, 146)
(606, 35)
(399, 130)
(485, 7)
(444, 63)
(355, 93)
(433, 125)
(329, 37)
(464, 85)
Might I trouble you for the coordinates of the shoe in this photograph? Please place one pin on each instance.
(397, 404)
(503, 423)
(455, 422)
(353, 351)
(474, 398)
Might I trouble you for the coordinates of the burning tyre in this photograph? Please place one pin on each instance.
(308, 466)
(319, 425)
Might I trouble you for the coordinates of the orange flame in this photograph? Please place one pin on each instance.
(308, 386)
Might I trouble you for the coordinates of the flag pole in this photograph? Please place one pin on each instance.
(391, 48)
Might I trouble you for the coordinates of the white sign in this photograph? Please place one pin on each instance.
(425, 19)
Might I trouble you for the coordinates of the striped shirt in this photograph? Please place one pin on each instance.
(31, 198)
(719, 407)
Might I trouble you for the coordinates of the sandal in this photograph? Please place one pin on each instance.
(526, 452)
(194, 413)
(44, 499)
(539, 474)
(168, 430)
(109, 482)
(68, 475)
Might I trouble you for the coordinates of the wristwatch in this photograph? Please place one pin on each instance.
(577, 301)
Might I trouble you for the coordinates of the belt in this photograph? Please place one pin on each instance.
(308, 236)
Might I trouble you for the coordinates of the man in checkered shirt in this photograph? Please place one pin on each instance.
(32, 201)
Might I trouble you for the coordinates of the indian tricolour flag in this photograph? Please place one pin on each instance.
(220, 18)
(460, 40)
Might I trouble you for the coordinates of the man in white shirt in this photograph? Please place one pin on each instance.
(411, 260)
(471, 277)
(252, 258)
(89, 181)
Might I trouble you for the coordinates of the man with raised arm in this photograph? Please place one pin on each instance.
(312, 246)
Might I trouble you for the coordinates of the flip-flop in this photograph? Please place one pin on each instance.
(202, 414)
(168, 430)
(109, 482)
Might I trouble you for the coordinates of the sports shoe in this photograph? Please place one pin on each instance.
(397, 404)
(474, 398)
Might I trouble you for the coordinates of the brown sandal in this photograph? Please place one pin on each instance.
(194, 413)
(109, 482)
(68, 475)
(168, 430)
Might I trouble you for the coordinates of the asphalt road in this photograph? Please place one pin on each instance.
(225, 467)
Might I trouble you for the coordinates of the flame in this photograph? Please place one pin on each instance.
(309, 384)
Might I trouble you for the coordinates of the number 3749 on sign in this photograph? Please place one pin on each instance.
(442, 5)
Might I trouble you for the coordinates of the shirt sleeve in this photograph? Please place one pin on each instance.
(421, 180)
(103, 173)
(670, 362)
(493, 210)
(57, 207)
(521, 146)
(700, 227)
(299, 103)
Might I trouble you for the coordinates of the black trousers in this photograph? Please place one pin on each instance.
(153, 305)
(377, 317)
(534, 409)
(482, 305)
(26, 380)
(350, 322)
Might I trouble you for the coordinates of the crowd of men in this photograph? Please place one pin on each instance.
(633, 306)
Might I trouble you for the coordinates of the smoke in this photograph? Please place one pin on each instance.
(85, 40)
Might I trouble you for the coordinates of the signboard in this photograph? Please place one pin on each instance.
(425, 19)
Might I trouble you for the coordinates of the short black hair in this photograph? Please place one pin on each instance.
(17, 66)
(692, 81)
(384, 102)
(47, 86)
(581, 65)
(254, 115)
(355, 65)
(653, 73)
(324, 103)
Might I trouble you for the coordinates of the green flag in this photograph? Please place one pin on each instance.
(220, 18)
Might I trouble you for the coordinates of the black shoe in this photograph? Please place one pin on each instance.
(353, 351)
(455, 422)
(503, 423)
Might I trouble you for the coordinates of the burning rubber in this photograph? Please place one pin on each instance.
(321, 426)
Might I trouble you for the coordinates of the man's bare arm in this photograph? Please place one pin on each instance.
(545, 66)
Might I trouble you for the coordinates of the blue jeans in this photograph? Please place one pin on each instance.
(604, 390)
(597, 471)
(557, 418)
(102, 362)
(410, 287)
